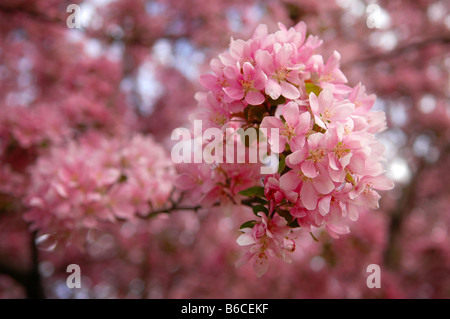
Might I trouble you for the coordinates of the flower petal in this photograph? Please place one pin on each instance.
(324, 205)
(309, 169)
(254, 97)
(273, 89)
(289, 91)
(289, 181)
(308, 196)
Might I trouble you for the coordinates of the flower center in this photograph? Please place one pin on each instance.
(326, 115)
(218, 119)
(247, 85)
(327, 78)
(316, 155)
(288, 131)
(340, 150)
(281, 74)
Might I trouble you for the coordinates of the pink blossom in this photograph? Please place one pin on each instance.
(273, 190)
(326, 110)
(283, 75)
(269, 237)
(292, 131)
(246, 85)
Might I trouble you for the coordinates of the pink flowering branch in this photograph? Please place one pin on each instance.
(330, 158)
(177, 206)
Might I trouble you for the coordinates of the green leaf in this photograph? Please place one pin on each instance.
(259, 200)
(260, 208)
(311, 87)
(253, 191)
(248, 224)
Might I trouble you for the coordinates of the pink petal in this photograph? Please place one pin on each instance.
(290, 180)
(260, 80)
(336, 230)
(60, 189)
(323, 184)
(245, 239)
(289, 91)
(298, 212)
(326, 99)
(290, 113)
(304, 123)
(295, 158)
(319, 122)
(332, 62)
(284, 54)
(209, 81)
(314, 103)
(254, 97)
(382, 183)
(110, 176)
(273, 89)
(297, 143)
(248, 69)
(332, 161)
(315, 141)
(324, 205)
(342, 112)
(277, 145)
(308, 196)
(234, 92)
(265, 61)
(346, 159)
(230, 72)
(271, 122)
(261, 266)
(184, 182)
(352, 212)
(260, 32)
(357, 164)
(245, 258)
(339, 77)
(337, 176)
(237, 48)
(309, 169)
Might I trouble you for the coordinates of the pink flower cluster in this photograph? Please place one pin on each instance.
(270, 237)
(330, 159)
(207, 184)
(95, 180)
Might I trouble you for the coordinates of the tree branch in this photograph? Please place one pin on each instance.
(175, 206)
(392, 253)
(399, 51)
(30, 279)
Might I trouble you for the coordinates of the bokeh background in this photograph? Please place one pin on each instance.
(133, 67)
